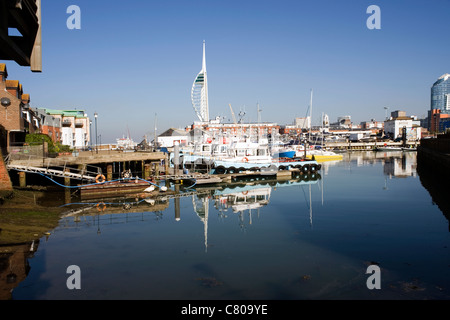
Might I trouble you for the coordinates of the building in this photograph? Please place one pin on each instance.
(438, 120)
(199, 92)
(372, 124)
(440, 94)
(394, 126)
(440, 100)
(17, 119)
(75, 127)
(168, 138)
(239, 129)
(303, 123)
(49, 124)
(343, 122)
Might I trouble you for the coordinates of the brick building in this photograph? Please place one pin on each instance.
(49, 124)
(438, 121)
(16, 117)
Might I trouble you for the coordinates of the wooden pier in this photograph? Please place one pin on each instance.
(368, 146)
(89, 165)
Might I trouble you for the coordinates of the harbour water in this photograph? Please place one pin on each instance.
(294, 240)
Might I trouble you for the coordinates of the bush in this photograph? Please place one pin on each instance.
(35, 139)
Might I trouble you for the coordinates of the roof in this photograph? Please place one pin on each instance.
(442, 78)
(2, 67)
(25, 96)
(66, 113)
(173, 132)
(12, 83)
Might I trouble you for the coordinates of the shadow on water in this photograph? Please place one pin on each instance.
(435, 181)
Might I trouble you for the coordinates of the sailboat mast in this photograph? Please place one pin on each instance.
(155, 142)
(310, 114)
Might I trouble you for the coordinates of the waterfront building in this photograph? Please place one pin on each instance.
(303, 123)
(240, 129)
(168, 138)
(440, 94)
(372, 124)
(75, 127)
(440, 100)
(199, 92)
(16, 117)
(438, 120)
(398, 121)
(343, 122)
(49, 125)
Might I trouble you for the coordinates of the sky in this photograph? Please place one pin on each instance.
(134, 62)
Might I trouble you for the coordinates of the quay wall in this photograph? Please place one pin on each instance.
(433, 167)
(435, 154)
(5, 181)
(351, 145)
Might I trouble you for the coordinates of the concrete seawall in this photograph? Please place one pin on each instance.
(435, 154)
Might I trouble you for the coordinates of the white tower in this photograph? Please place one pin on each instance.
(199, 92)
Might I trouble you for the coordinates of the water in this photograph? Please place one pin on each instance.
(311, 240)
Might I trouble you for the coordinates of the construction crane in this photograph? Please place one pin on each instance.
(233, 115)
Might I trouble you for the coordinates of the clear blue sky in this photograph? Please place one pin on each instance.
(134, 59)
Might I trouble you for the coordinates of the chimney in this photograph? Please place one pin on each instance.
(3, 72)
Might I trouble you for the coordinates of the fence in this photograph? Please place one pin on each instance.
(26, 151)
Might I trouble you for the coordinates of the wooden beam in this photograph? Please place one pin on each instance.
(36, 53)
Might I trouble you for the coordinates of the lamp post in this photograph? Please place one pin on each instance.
(96, 145)
(90, 135)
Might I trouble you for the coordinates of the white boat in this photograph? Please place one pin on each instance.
(321, 154)
(242, 198)
(243, 156)
(388, 148)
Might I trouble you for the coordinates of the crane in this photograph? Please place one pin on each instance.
(232, 113)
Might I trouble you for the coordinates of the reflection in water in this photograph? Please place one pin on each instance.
(435, 181)
(14, 266)
(278, 256)
(241, 196)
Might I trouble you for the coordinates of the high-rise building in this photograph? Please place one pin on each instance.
(440, 100)
(440, 92)
(199, 92)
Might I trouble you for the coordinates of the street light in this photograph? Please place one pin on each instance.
(90, 135)
(96, 145)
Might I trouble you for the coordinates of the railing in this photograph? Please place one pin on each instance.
(52, 167)
(25, 151)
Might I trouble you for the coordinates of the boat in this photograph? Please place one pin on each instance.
(114, 188)
(284, 153)
(242, 198)
(242, 156)
(389, 148)
(279, 149)
(320, 154)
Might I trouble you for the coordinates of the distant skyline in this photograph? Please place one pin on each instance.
(132, 60)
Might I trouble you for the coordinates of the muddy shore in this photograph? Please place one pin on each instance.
(23, 218)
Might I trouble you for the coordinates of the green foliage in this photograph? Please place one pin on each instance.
(36, 139)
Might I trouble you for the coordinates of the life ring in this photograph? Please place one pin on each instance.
(245, 159)
(127, 206)
(245, 193)
(100, 176)
(101, 206)
(126, 174)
